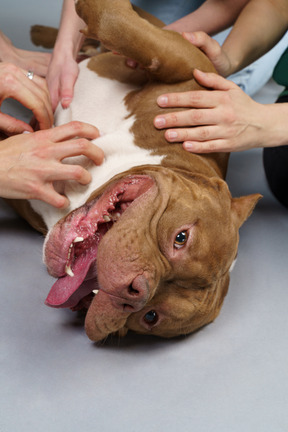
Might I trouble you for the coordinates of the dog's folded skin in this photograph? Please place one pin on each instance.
(148, 245)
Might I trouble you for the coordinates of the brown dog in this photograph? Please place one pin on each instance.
(149, 244)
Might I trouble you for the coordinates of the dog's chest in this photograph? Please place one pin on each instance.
(100, 102)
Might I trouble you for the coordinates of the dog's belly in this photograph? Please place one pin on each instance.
(98, 101)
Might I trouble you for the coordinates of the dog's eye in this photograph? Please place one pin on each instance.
(180, 239)
(151, 317)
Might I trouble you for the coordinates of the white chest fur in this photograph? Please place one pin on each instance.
(98, 101)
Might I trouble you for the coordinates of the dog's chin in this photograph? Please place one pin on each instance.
(71, 248)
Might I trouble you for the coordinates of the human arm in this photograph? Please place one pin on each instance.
(211, 17)
(220, 126)
(29, 60)
(31, 162)
(259, 26)
(63, 69)
(225, 119)
(33, 94)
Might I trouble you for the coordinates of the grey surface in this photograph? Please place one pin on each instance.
(230, 376)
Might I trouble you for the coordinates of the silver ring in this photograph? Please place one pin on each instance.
(30, 74)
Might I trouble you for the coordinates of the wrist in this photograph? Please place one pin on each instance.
(277, 114)
(5, 48)
(232, 64)
(68, 47)
(274, 130)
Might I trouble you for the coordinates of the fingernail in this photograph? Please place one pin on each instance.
(172, 135)
(188, 146)
(162, 100)
(199, 72)
(160, 122)
(65, 102)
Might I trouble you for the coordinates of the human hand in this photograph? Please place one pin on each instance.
(212, 49)
(33, 94)
(225, 119)
(31, 162)
(61, 77)
(28, 60)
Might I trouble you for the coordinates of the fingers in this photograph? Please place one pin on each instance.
(212, 123)
(213, 81)
(191, 117)
(67, 84)
(203, 112)
(78, 147)
(189, 99)
(197, 98)
(61, 78)
(12, 126)
(204, 42)
(217, 145)
(37, 99)
(50, 196)
(204, 104)
(212, 49)
(201, 138)
(203, 133)
(72, 130)
(54, 91)
(73, 139)
(67, 91)
(36, 61)
(33, 94)
(69, 172)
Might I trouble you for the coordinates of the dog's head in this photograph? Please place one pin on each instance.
(151, 254)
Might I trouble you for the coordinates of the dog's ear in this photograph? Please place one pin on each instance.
(242, 207)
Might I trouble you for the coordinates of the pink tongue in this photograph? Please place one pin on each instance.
(67, 291)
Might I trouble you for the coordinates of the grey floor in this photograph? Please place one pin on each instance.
(231, 376)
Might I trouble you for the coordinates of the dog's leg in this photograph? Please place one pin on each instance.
(164, 54)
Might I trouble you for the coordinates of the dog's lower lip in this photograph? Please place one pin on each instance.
(82, 231)
(112, 216)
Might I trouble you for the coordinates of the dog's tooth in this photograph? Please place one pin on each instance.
(95, 291)
(118, 215)
(68, 270)
(107, 218)
(78, 240)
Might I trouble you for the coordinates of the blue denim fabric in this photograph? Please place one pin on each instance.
(168, 10)
(252, 78)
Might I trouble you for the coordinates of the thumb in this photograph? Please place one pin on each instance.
(204, 42)
(67, 88)
(212, 80)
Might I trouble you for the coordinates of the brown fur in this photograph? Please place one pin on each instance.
(187, 286)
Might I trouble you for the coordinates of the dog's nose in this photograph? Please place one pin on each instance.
(135, 296)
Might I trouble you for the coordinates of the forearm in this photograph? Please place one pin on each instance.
(211, 17)
(3, 46)
(69, 37)
(260, 25)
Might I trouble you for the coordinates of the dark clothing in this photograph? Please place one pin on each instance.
(275, 159)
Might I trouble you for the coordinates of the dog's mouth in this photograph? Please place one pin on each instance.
(71, 247)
